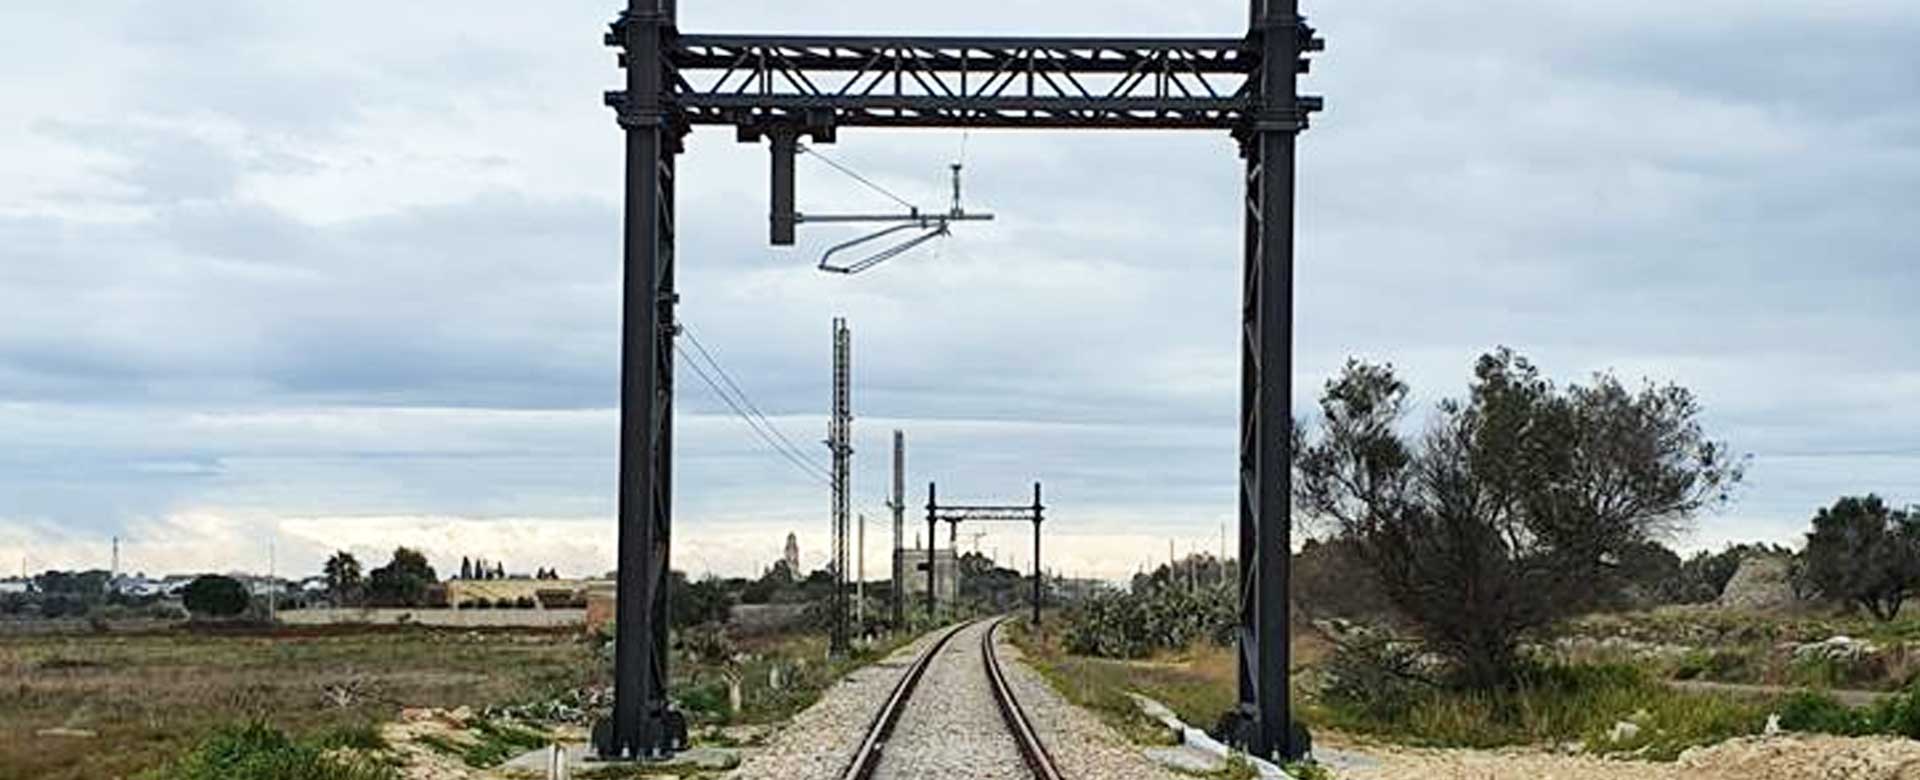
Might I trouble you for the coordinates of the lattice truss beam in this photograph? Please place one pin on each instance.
(972, 514)
(823, 82)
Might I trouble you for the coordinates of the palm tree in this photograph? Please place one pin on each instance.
(343, 577)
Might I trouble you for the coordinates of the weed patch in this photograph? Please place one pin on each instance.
(259, 752)
(1555, 704)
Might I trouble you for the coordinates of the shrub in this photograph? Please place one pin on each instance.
(215, 596)
(1900, 713)
(1720, 664)
(259, 752)
(1373, 673)
(1557, 704)
(1151, 619)
(1818, 712)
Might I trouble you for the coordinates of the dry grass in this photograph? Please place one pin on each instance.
(1198, 683)
(151, 697)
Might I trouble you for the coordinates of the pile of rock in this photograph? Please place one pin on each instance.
(1762, 583)
(1836, 648)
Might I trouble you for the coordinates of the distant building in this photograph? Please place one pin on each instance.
(792, 556)
(946, 572)
(138, 585)
(15, 586)
(1080, 588)
(173, 584)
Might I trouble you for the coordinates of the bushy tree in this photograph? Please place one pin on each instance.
(215, 596)
(1330, 579)
(403, 582)
(344, 583)
(696, 603)
(1647, 574)
(1863, 553)
(775, 581)
(1515, 507)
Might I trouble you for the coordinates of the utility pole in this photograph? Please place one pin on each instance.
(113, 572)
(1193, 569)
(1037, 508)
(839, 433)
(899, 507)
(860, 569)
(1223, 554)
(273, 589)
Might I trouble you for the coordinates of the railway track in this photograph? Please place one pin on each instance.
(949, 727)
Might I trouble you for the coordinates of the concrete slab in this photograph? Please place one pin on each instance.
(1196, 745)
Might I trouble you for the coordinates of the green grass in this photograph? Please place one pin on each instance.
(1307, 770)
(1101, 685)
(1729, 665)
(700, 689)
(497, 742)
(1554, 705)
(486, 744)
(352, 736)
(258, 752)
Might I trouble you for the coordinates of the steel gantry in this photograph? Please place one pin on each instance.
(955, 514)
(782, 87)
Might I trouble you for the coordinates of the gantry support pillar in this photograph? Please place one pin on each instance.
(642, 726)
(1266, 379)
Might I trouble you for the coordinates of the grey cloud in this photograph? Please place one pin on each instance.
(1716, 194)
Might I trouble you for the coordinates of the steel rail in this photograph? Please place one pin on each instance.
(875, 744)
(1031, 749)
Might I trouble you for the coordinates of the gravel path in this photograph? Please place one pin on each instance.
(818, 742)
(1083, 747)
(1786, 757)
(951, 728)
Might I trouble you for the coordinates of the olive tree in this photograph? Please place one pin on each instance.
(1513, 507)
(1862, 553)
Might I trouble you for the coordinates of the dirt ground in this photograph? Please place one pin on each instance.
(1783, 757)
(102, 706)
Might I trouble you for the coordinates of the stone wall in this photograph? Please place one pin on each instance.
(449, 618)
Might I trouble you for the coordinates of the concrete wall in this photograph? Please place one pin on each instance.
(451, 618)
(945, 570)
(459, 591)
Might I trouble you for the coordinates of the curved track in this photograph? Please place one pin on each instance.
(966, 722)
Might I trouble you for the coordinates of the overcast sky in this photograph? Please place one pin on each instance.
(344, 274)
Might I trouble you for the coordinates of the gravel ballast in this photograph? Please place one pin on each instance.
(1081, 745)
(818, 742)
(951, 728)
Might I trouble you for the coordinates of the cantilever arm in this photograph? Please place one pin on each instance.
(935, 229)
